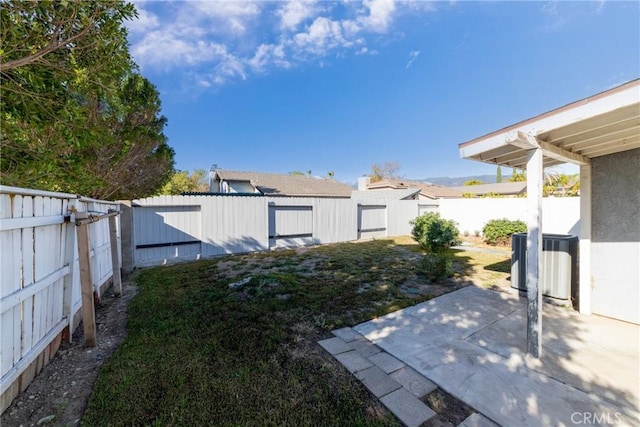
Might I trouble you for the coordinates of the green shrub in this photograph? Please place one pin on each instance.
(436, 266)
(499, 231)
(433, 233)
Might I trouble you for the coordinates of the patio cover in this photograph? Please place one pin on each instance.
(606, 123)
(603, 124)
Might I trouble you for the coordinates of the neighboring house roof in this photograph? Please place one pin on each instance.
(393, 194)
(506, 188)
(273, 184)
(431, 191)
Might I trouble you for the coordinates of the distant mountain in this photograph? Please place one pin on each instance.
(458, 181)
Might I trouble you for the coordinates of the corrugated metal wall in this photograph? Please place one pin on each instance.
(219, 225)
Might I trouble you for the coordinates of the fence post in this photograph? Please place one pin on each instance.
(88, 308)
(70, 260)
(126, 236)
(115, 264)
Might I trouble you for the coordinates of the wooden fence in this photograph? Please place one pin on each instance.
(172, 228)
(40, 292)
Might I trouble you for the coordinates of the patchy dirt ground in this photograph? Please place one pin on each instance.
(59, 395)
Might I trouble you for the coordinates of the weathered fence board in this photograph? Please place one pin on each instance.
(38, 280)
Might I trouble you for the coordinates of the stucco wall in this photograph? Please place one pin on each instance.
(615, 235)
(560, 215)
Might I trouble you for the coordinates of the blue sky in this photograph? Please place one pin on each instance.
(336, 86)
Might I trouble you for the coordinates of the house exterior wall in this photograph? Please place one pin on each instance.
(240, 187)
(615, 241)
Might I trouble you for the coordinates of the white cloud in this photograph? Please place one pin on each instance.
(163, 49)
(268, 54)
(323, 34)
(221, 41)
(554, 20)
(423, 6)
(380, 15)
(293, 13)
(226, 8)
(144, 22)
(413, 55)
(230, 17)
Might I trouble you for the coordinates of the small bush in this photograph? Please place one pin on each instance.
(436, 266)
(433, 233)
(499, 231)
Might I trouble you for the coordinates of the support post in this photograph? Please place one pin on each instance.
(584, 293)
(69, 259)
(127, 244)
(534, 252)
(115, 262)
(84, 257)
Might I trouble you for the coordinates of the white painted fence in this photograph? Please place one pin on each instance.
(172, 228)
(40, 286)
(560, 215)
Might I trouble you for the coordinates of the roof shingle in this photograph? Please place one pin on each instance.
(273, 184)
(428, 190)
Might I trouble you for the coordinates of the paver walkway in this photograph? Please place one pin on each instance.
(398, 386)
(469, 342)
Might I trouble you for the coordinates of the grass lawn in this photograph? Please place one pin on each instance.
(199, 352)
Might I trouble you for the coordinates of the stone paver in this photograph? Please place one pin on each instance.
(415, 383)
(463, 341)
(365, 347)
(353, 361)
(377, 381)
(386, 362)
(334, 345)
(477, 420)
(407, 407)
(347, 334)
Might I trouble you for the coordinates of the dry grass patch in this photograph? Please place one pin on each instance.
(199, 352)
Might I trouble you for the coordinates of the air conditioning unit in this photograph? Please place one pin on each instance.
(559, 275)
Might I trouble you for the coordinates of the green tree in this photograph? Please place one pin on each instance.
(499, 175)
(517, 176)
(473, 182)
(560, 184)
(184, 182)
(75, 115)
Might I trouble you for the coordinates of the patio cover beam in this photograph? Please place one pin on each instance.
(527, 142)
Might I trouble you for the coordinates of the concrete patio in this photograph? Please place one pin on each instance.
(471, 344)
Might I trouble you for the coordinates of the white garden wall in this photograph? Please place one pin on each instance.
(560, 215)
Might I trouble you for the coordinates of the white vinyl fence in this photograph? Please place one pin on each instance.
(171, 228)
(39, 278)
